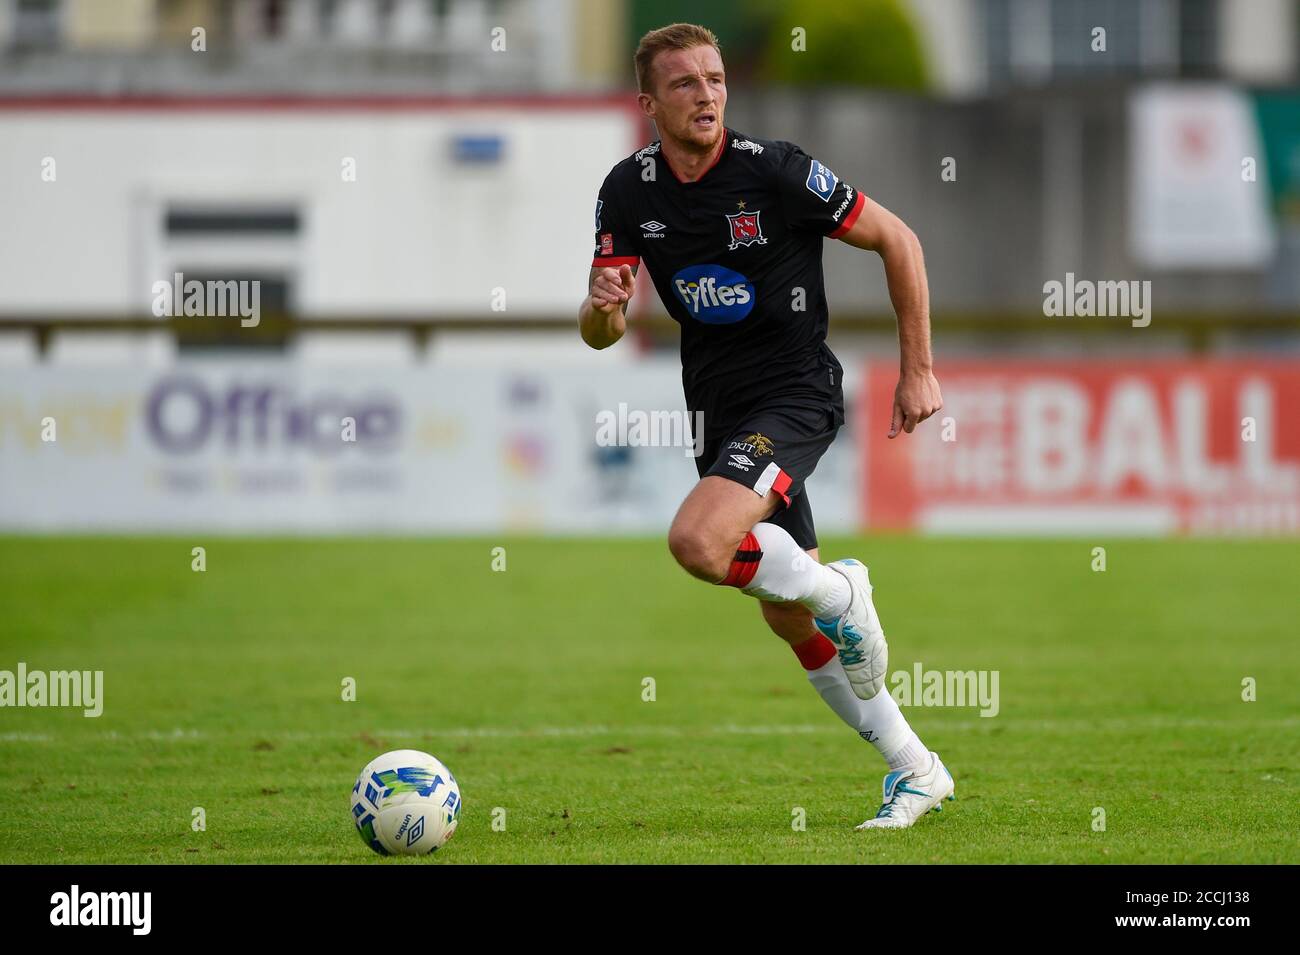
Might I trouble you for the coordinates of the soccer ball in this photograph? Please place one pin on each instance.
(405, 803)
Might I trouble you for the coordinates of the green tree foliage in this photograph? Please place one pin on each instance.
(870, 43)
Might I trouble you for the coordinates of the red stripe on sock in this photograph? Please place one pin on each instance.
(815, 652)
(745, 564)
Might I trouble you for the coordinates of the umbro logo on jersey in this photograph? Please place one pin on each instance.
(654, 229)
(743, 461)
(647, 151)
(752, 146)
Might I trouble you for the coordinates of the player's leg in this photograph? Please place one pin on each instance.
(712, 523)
(917, 780)
(720, 534)
(792, 622)
(769, 563)
(877, 720)
(707, 527)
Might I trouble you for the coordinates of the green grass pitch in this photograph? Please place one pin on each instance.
(1119, 689)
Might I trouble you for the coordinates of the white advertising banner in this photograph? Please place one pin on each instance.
(1198, 188)
(276, 446)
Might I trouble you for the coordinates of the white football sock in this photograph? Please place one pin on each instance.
(787, 573)
(878, 720)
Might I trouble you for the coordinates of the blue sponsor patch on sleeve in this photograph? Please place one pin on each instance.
(821, 181)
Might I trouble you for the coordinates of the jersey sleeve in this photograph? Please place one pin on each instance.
(815, 199)
(615, 244)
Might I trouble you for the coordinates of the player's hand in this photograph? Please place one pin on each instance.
(612, 287)
(915, 399)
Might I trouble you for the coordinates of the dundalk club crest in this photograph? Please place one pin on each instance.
(745, 228)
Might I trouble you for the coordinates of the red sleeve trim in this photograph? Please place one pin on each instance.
(614, 261)
(852, 217)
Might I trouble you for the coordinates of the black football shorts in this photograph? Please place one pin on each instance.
(776, 448)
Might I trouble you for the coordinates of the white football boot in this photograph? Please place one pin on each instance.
(857, 633)
(911, 793)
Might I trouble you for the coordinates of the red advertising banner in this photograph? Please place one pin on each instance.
(1155, 446)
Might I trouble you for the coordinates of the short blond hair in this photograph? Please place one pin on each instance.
(675, 36)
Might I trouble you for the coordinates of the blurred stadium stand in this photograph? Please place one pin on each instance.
(1032, 115)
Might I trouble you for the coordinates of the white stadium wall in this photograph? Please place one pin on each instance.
(451, 199)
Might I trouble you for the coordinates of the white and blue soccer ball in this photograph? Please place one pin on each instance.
(405, 803)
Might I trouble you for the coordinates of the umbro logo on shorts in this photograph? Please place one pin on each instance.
(742, 461)
(654, 229)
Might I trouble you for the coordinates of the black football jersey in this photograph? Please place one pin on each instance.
(736, 257)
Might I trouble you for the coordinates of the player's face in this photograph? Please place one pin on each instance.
(689, 96)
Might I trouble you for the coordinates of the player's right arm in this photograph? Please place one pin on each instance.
(602, 317)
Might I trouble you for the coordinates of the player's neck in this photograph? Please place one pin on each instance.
(687, 164)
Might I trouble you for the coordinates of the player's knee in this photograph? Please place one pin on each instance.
(698, 554)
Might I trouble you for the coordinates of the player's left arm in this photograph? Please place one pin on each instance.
(878, 230)
(817, 200)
